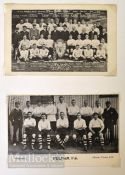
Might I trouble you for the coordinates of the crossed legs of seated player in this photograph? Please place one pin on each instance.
(89, 59)
(92, 136)
(62, 141)
(100, 58)
(62, 137)
(82, 135)
(46, 58)
(29, 135)
(81, 58)
(44, 135)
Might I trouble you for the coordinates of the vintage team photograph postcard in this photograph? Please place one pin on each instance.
(70, 39)
(63, 130)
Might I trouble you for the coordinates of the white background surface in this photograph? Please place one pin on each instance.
(64, 85)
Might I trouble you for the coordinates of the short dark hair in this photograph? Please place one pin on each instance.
(17, 103)
(95, 113)
(108, 102)
(78, 113)
(61, 97)
(44, 114)
(62, 112)
(29, 112)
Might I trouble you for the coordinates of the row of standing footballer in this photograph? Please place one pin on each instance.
(82, 125)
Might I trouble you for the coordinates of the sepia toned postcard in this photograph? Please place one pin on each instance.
(60, 39)
(63, 131)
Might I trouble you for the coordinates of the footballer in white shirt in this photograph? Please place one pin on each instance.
(72, 113)
(62, 107)
(80, 131)
(70, 47)
(95, 42)
(96, 127)
(27, 24)
(27, 109)
(34, 53)
(38, 110)
(79, 27)
(104, 45)
(86, 112)
(33, 41)
(41, 41)
(25, 42)
(44, 53)
(51, 112)
(71, 42)
(79, 41)
(62, 125)
(89, 53)
(20, 25)
(77, 54)
(29, 135)
(50, 45)
(44, 131)
(86, 41)
(88, 27)
(100, 54)
(98, 109)
(24, 54)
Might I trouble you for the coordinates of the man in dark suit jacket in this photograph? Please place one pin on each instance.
(110, 116)
(100, 27)
(74, 33)
(103, 35)
(16, 38)
(55, 33)
(65, 33)
(44, 32)
(24, 32)
(92, 33)
(16, 118)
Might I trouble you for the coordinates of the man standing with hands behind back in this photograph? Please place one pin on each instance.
(16, 118)
(110, 116)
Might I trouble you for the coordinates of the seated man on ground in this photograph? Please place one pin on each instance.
(44, 53)
(89, 54)
(100, 54)
(77, 54)
(34, 53)
(24, 54)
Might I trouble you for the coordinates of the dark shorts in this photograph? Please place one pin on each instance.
(35, 58)
(96, 130)
(29, 132)
(62, 132)
(44, 133)
(80, 133)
